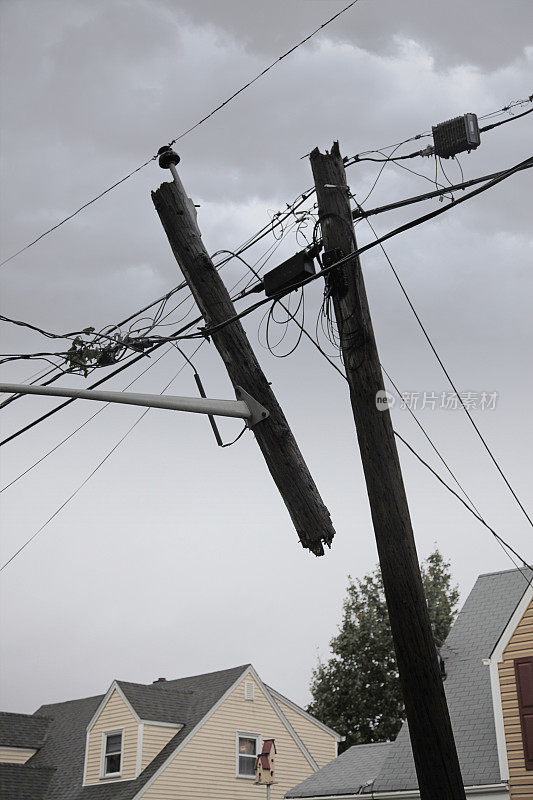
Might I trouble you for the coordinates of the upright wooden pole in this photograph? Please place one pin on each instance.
(435, 756)
(310, 516)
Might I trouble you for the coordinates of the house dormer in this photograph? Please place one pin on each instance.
(128, 730)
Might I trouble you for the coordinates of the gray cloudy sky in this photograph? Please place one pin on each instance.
(168, 560)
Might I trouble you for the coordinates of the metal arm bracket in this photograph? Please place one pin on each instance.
(258, 412)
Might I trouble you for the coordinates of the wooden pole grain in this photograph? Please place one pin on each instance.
(433, 745)
(285, 462)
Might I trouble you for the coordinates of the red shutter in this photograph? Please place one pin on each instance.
(523, 668)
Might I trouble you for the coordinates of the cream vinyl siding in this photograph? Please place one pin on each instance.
(115, 715)
(320, 744)
(520, 644)
(155, 737)
(205, 768)
(15, 755)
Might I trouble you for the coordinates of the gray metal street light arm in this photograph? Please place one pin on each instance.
(244, 408)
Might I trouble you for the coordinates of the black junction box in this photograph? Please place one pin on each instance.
(456, 135)
(291, 273)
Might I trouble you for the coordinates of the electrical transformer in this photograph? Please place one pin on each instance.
(456, 135)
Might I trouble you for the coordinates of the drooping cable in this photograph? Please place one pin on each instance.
(394, 232)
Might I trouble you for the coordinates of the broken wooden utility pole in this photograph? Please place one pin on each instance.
(280, 450)
(435, 755)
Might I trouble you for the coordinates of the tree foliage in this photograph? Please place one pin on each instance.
(357, 691)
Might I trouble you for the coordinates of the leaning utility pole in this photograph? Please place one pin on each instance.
(433, 745)
(280, 450)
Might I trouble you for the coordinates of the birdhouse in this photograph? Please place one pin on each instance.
(264, 763)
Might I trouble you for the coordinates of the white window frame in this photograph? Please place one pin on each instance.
(103, 774)
(258, 747)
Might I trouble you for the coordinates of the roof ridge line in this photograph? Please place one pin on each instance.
(499, 572)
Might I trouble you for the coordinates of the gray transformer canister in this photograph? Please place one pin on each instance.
(456, 135)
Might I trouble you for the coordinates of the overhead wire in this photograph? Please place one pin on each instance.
(347, 258)
(84, 423)
(265, 257)
(430, 195)
(505, 121)
(458, 496)
(290, 209)
(60, 371)
(185, 132)
(470, 506)
(93, 472)
(188, 361)
(348, 160)
(447, 374)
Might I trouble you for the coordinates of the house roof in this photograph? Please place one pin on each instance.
(19, 782)
(22, 730)
(160, 702)
(473, 636)
(189, 700)
(348, 773)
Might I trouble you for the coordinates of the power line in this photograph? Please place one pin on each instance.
(93, 386)
(347, 258)
(349, 160)
(417, 421)
(447, 374)
(449, 488)
(78, 210)
(361, 213)
(278, 220)
(508, 107)
(186, 132)
(93, 472)
(472, 508)
(188, 361)
(134, 360)
(83, 424)
(263, 72)
(505, 121)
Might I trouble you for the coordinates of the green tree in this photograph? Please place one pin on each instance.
(357, 692)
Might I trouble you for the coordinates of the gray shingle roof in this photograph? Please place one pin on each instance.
(64, 747)
(20, 782)
(22, 730)
(157, 701)
(475, 633)
(188, 701)
(348, 773)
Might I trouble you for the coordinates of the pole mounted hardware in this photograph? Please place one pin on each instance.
(168, 159)
(290, 273)
(245, 407)
(456, 135)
